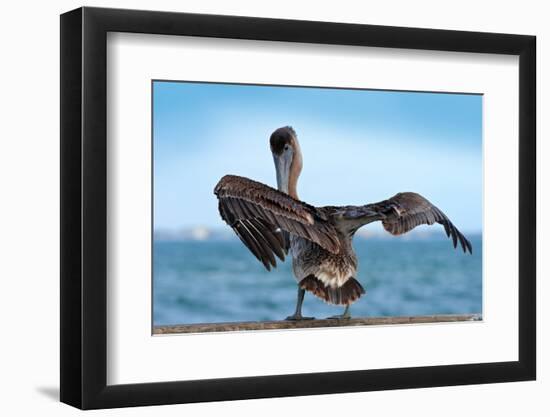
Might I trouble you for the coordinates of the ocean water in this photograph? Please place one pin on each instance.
(220, 281)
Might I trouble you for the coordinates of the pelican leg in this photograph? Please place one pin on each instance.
(298, 313)
(345, 315)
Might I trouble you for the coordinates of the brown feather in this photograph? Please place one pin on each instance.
(348, 293)
(242, 199)
(405, 211)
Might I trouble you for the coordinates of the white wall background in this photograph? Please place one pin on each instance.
(29, 175)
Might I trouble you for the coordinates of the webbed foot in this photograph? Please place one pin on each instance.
(297, 317)
(340, 317)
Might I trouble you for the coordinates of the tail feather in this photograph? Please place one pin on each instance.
(348, 293)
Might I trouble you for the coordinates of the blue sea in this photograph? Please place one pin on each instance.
(220, 281)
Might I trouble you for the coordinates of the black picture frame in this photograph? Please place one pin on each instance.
(84, 207)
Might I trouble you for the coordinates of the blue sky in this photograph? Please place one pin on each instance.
(359, 146)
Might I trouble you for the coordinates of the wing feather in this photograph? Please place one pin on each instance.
(399, 214)
(274, 242)
(405, 211)
(261, 216)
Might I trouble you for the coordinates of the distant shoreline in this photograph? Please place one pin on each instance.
(203, 234)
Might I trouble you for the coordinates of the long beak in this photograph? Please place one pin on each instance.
(282, 169)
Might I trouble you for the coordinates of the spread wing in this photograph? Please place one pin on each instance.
(400, 214)
(260, 216)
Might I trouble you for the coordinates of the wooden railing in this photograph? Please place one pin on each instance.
(310, 324)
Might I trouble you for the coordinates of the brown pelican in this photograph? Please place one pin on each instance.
(270, 222)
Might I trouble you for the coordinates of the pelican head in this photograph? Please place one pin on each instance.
(287, 157)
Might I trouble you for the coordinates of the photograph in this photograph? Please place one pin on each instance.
(256, 205)
(242, 193)
(312, 204)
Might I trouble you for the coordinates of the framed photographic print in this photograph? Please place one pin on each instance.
(257, 207)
